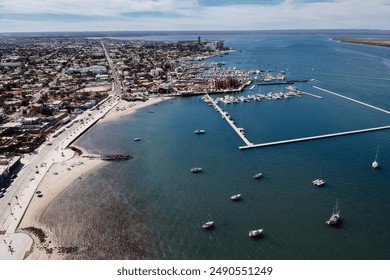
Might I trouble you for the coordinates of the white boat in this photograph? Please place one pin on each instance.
(335, 215)
(236, 197)
(196, 169)
(199, 131)
(137, 139)
(208, 224)
(255, 232)
(375, 164)
(257, 175)
(319, 182)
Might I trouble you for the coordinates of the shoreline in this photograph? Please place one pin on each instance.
(45, 244)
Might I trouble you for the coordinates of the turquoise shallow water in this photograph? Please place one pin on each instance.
(173, 202)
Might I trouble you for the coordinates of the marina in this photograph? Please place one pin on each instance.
(225, 115)
(293, 91)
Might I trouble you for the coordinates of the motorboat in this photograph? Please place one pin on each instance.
(318, 182)
(255, 232)
(236, 197)
(199, 131)
(196, 169)
(208, 225)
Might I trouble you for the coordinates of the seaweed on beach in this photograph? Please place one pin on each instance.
(37, 232)
(76, 150)
(68, 250)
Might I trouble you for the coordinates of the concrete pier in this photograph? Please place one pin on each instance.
(313, 95)
(313, 137)
(229, 121)
(351, 99)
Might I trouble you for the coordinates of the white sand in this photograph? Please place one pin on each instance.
(61, 175)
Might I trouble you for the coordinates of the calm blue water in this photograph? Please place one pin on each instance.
(174, 203)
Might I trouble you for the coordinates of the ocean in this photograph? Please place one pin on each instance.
(152, 206)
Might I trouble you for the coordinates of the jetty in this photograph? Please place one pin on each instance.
(313, 137)
(353, 100)
(117, 157)
(278, 82)
(226, 116)
(310, 94)
(325, 135)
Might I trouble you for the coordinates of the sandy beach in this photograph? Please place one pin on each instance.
(58, 178)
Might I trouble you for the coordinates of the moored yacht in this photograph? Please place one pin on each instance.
(196, 169)
(236, 197)
(208, 225)
(375, 163)
(199, 131)
(255, 232)
(335, 215)
(318, 182)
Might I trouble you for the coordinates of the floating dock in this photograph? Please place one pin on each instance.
(229, 121)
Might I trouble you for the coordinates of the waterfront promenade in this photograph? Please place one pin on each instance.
(35, 167)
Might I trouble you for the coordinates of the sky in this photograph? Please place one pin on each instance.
(162, 15)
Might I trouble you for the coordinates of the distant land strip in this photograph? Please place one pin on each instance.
(383, 42)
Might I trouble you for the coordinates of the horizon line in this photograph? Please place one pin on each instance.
(206, 31)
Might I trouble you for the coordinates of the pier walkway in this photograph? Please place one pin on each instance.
(313, 95)
(351, 99)
(226, 117)
(250, 145)
(314, 137)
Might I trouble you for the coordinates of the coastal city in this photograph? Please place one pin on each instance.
(53, 90)
(195, 138)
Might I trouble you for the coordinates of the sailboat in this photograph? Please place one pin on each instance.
(335, 215)
(375, 164)
(319, 182)
(236, 196)
(209, 224)
(257, 175)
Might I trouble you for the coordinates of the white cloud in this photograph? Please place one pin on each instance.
(289, 14)
(93, 7)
